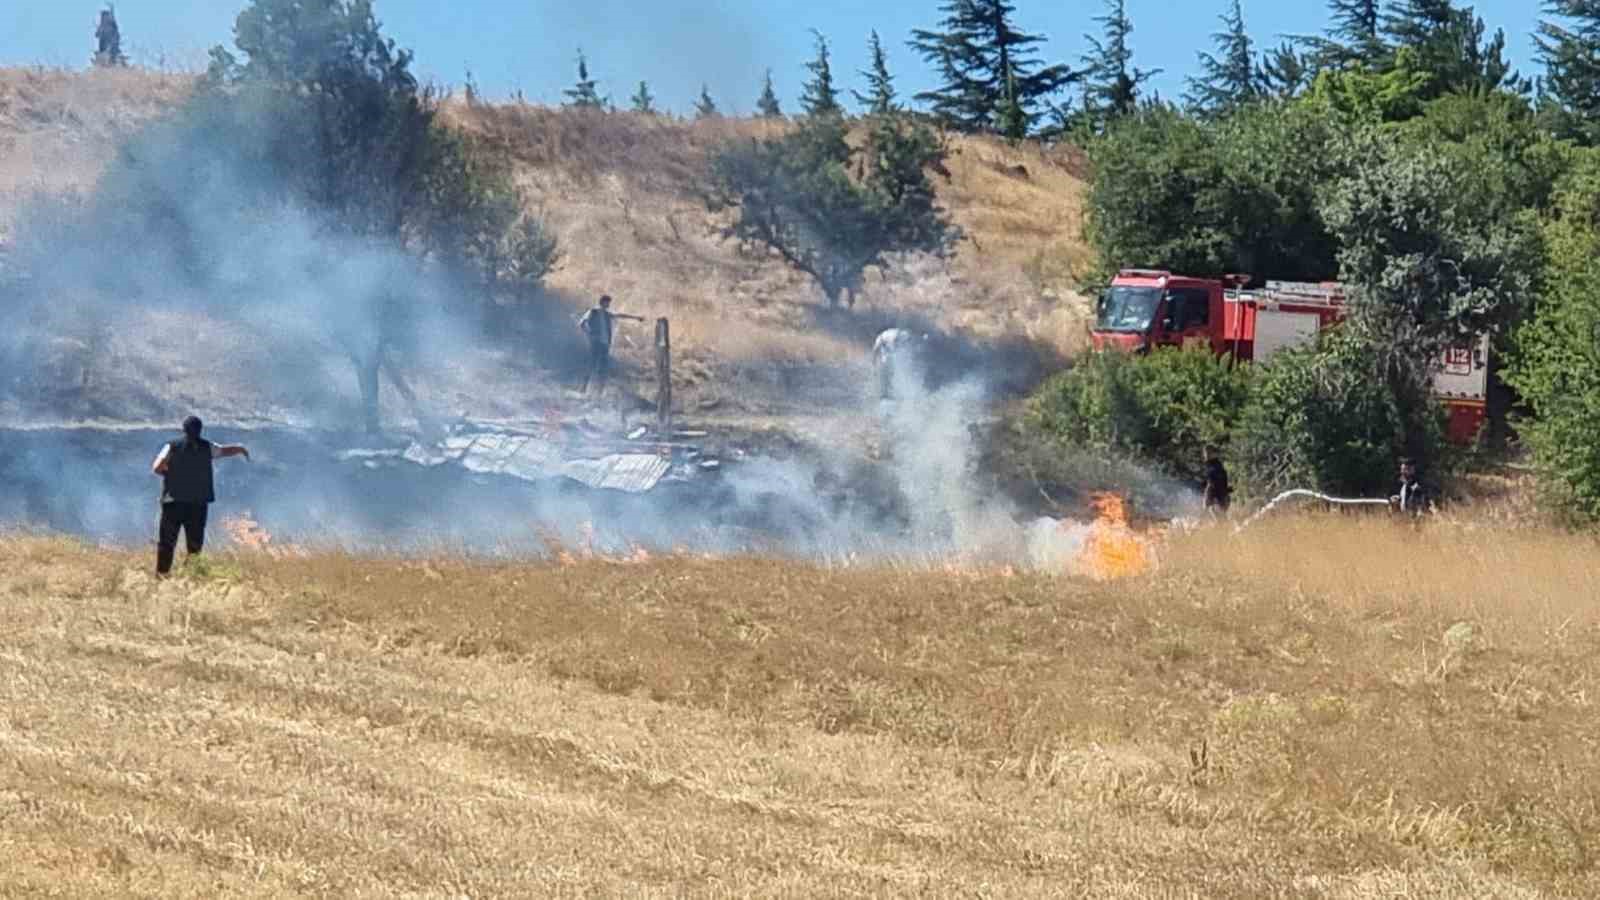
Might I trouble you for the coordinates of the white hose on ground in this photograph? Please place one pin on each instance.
(1301, 492)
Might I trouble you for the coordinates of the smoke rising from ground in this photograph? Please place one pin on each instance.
(190, 278)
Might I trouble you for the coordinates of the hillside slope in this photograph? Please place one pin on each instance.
(621, 190)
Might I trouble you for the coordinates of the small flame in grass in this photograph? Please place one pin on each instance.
(585, 548)
(1112, 550)
(248, 534)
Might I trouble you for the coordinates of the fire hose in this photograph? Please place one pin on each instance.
(1301, 492)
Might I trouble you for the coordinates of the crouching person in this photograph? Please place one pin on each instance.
(187, 490)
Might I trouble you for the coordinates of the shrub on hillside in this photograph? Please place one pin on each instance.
(1165, 407)
(794, 195)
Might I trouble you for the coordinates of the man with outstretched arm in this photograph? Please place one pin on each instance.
(187, 490)
(598, 324)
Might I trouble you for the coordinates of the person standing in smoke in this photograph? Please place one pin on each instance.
(598, 324)
(1218, 493)
(187, 490)
(894, 348)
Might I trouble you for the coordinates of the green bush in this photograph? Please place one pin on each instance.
(1556, 366)
(1165, 407)
(1321, 416)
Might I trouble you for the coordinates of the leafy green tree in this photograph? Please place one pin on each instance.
(705, 107)
(1569, 47)
(879, 100)
(583, 95)
(988, 68)
(1556, 363)
(1110, 80)
(1208, 197)
(323, 113)
(767, 106)
(818, 97)
(1230, 78)
(1317, 419)
(1424, 267)
(1502, 157)
(1363, 95)
(793, 195)
(643, 101)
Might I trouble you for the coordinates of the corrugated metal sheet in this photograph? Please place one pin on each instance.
(532, 458)
(633, 473)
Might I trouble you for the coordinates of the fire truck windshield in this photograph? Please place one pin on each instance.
(1129, 309)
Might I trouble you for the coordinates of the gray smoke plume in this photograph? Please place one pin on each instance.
(187, 280)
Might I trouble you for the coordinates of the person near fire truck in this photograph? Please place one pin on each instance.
(187, 490)
(1414, 498)
(1217, 492)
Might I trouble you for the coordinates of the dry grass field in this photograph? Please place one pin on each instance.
(1317, 708)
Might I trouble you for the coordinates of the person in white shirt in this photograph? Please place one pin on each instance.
(187, 490)
(893, 345)
(1414, 498)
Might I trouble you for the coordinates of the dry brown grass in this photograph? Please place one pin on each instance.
(1318, 709)
(58, 129)
(624, 191)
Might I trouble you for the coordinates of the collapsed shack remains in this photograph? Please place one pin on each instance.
(536, 452)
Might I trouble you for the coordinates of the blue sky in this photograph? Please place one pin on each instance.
(531, 45)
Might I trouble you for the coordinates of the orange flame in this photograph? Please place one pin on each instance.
(1112, 549)
(586, 550)
(248, 534)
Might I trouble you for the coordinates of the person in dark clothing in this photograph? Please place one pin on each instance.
(108, 40)
(1414, 498)
(598, 324)
(187, 490)
(1217, 491)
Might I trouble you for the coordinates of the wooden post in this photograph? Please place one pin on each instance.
(663, 376)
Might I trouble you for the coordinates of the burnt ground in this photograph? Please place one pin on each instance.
(770, 492)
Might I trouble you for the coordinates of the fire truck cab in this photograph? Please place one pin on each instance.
(1148, 308)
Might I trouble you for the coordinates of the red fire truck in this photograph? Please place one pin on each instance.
(1146, 308)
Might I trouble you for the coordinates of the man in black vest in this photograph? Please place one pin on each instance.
(186, 490)
(1415, 499)
(599, 324)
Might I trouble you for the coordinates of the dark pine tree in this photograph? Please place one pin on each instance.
(1354, 37)
(1569, 47)
(1231, 78)
(989, 69)
(1111, 83)
(583, 94)
(705, 107)
(1285, 72)
(1449, 44)
(819, 97)
(879, 100)
(767, 106)
(644, 101)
